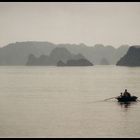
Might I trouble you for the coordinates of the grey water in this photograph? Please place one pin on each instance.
(68, 101)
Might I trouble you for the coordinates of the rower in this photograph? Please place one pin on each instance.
(126, 94)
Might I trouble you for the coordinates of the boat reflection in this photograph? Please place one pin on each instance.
(126, 105)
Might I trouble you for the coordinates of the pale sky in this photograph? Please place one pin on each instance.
(108, 23)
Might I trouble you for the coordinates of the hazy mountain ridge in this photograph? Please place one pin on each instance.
(17, 53)
(96, 53)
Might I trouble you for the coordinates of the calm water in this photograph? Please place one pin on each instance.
(68, 102)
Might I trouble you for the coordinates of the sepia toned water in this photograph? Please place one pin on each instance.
(68, 101)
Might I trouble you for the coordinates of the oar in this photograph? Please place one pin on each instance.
(102, 100)
(96, 101)
(109, 98)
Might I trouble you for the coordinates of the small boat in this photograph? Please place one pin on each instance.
(126, 99)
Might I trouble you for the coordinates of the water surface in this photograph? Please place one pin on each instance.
(68, 101)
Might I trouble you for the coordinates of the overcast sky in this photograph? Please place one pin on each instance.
(108, 23)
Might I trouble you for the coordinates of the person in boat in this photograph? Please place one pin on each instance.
(126, 93)
(121, 94)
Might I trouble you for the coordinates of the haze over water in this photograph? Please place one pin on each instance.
(68, 101)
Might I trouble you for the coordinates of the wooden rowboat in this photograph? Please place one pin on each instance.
(126, 99)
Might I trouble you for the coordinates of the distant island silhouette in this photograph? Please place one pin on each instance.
(59, 57)
(78, 62)
(104, 61)
(131, 58)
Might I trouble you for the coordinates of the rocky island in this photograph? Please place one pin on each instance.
(132, 57)
(58, 57)
(74, 62)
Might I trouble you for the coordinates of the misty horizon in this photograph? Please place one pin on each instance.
(67, 43)
(91, 23)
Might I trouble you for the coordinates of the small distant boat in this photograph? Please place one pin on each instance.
(126, 99)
